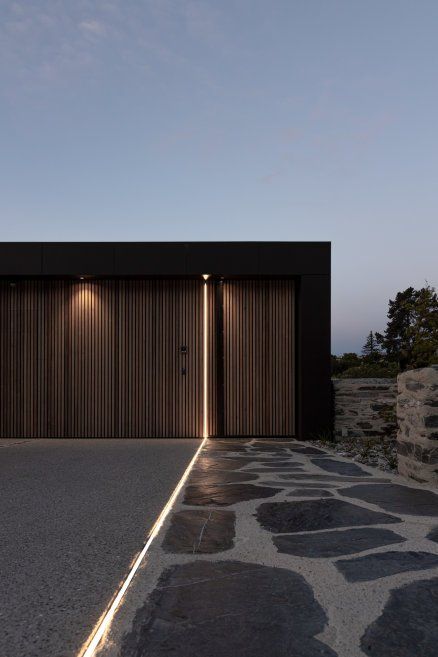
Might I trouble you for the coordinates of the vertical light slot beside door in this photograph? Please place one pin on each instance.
(205, 358)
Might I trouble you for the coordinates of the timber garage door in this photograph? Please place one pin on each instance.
(101, 358)
(258, 346)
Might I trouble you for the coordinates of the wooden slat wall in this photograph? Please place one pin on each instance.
(50, 408)
(259, 357)
(101, 358)
(32, 330)
(156, 318)
(91, 359)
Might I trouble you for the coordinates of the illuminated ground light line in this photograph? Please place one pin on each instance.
(103, 625)
(205, 396)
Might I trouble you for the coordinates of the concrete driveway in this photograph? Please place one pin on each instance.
(74, 513)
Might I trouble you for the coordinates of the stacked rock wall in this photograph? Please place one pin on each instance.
(365, 408)
(417, 414)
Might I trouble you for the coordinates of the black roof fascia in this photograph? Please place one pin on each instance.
(164, 258)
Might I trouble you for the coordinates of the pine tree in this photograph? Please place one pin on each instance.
(425, 328)
(411, 335)
(371, 350)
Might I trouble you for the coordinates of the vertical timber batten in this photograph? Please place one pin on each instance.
(259, 336)
(219, 348)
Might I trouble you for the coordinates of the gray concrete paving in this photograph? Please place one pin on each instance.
(74, 513)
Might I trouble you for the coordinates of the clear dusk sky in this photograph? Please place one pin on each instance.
(229, 120)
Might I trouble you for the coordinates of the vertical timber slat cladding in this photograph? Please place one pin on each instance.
(90, 351)
(212, 358)
(259, 357)
(156, 319)
(125, 357)
(101, 358)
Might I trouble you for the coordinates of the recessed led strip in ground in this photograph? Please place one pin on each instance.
(91, 645)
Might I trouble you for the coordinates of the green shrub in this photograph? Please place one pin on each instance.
(342, 363)
(371, 371)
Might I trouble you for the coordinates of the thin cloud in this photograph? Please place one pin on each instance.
(96, 28)
(48, 44)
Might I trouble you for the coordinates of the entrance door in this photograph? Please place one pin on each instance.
(258, 348)
(161, 358)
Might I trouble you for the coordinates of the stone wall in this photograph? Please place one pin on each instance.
(365, 408)
(417, 414)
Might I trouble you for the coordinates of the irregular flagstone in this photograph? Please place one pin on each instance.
(335, 543)
(375, 566)
(225, 609)
(260, 459)
(228, 608)
(408, 625)
(396, 498)
(269, 470)
(217, 477)
(274, 450)
(200, 532)
(276, 443)
(308, 450)
(340, 467)
(207, 464)
(269, 442)
(280, 464)
(225, 454)
(277, 460)
(322, 477)
(221, 442)
(296, 484)
(433, 535)
(311, 515)
(310, 492)
(227, 446)
(269, 450)
(224, 495)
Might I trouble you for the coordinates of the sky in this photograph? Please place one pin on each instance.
(234, 120)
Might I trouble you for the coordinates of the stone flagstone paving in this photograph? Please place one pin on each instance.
(272, 549)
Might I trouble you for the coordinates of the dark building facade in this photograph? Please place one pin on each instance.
(164, 339)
